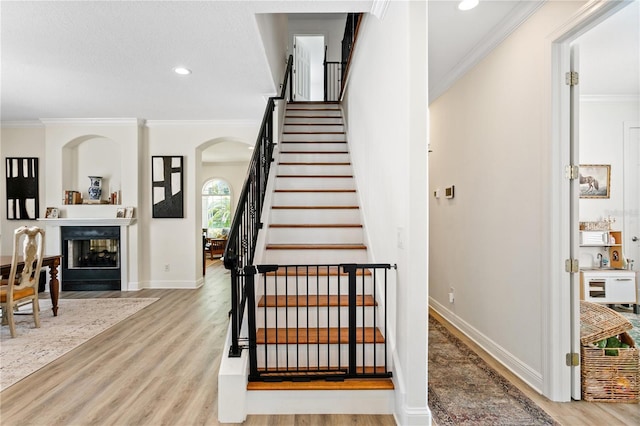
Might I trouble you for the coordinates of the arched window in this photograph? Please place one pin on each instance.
(216, 207)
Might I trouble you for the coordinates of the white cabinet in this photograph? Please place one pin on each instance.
(608, 286)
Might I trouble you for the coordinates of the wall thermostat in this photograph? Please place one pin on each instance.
(448, 192)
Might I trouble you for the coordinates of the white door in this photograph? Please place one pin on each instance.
(631, 229)
(301, 70)
(574, 192)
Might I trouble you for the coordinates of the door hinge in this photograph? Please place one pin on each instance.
(573, 359)
(571, 78)
(571, 172)
(572, 266)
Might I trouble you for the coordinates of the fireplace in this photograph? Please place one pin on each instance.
(91, 258)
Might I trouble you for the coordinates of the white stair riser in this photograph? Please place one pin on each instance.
(313, 120)
(313, 137)
(308, 257)
(284, 157)
(325, 216)
(314, 110)
(298, 317)
(314, 147)
(307, 128)
(315, 199)
(315, 183)
(333, 285)
(315, 236)
(304, 169)
(318, 355)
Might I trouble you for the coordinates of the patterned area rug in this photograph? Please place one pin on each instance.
(78, 320)
(464, 390)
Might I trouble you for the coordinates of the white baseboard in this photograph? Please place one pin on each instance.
(508, 360)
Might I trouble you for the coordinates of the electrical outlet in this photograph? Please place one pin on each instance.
(451, 295)
(166, 268)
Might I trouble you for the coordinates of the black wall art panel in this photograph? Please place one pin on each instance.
(166, 185)
(22, 188)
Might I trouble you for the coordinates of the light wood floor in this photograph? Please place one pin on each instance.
(160, 368)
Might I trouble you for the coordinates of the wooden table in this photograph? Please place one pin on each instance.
(216, 246)
(52, 261)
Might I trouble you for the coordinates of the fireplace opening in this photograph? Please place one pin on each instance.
(91, 258)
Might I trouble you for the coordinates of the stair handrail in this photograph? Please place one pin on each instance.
(243, 234)
(349, 39)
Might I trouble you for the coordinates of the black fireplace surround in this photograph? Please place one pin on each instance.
(91, 258)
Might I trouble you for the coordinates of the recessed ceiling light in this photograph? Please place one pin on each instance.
(468, 4)
(182, 70)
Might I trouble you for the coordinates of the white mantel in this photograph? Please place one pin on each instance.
(89, 221)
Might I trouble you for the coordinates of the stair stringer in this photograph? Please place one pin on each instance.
(390, 335)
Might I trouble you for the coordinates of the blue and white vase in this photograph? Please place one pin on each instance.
(95, 189)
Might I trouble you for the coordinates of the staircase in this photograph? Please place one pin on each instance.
(305, 299)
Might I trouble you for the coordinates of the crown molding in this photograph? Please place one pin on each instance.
(497, 35)
(21, 124)
(379, 8)
(192, 123)
(93, 121)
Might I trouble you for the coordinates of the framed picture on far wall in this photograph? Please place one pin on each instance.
(167, 186)
(595, 180)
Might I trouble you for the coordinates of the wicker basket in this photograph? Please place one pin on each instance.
(607, 378)
(598, 322)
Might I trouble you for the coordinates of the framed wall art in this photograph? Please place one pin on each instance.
(22, 188)
(595, 180)
(167, 186)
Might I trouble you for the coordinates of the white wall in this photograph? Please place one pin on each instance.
(331, 28)
(602, 142)
(273, 31)
(386, 114)
(20, 141)
(491, 138)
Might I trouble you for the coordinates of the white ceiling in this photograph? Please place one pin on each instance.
(106, 59)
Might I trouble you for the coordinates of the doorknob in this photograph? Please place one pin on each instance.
(634, 239)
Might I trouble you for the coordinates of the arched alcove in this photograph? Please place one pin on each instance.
(91, 155)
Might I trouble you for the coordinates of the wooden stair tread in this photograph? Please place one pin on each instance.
(314, 132)
(314, 164)
(313, 152)
(311, 118)
(316, 247)
(312, 124)
(315, 225)
(333, 335)
(314, 207)
(314, 176)
(321, 271)
(312, 142)
(315, 190)
(349, 384)
(332, 300)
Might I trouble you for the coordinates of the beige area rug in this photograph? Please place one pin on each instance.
(78, 320)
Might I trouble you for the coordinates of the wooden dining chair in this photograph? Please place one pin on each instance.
(21, 287)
